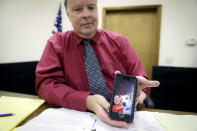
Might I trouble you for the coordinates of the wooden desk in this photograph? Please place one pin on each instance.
(45, 106)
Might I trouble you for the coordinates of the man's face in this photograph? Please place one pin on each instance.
(83, 16)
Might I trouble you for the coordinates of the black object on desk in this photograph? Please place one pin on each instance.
(177, 90)
(18, 77)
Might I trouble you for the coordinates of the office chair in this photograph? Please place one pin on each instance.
(177, 90)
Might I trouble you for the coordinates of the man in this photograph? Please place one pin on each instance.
(61, 77)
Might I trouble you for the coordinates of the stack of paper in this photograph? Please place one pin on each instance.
(21, 107)
(69, 120)
(61, 119)
(144, 121)
(177, 122)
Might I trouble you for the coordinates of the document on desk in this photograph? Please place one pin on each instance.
(63, 119)
(21, 107)
(177, 122)
(60, 119)
(144, 121)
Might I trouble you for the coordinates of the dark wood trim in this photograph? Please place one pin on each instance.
(158, 34)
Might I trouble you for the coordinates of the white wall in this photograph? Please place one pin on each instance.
(25, 26)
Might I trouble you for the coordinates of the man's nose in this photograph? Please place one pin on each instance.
(86, 12)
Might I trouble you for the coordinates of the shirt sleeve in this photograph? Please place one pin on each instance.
(51, 82)
(134, 66)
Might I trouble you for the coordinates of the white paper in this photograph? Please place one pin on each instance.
(60, 120)
(70, 120)
(144, 121)
(178, 122)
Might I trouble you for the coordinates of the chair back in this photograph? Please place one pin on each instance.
(18, 77)
(177, 90)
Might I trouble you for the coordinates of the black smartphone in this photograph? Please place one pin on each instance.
(123, 98)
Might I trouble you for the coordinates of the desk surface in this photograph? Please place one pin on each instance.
(45, 106)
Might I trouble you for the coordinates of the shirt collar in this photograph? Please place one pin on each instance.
(76, 38)
(96, 39)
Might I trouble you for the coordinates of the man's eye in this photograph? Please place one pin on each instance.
(91, 8)
(77, 9)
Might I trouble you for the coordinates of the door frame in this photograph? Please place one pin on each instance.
(156, 8)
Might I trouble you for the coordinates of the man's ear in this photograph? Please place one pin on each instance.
(67, 13)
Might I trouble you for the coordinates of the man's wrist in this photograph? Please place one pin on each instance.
(90, 103)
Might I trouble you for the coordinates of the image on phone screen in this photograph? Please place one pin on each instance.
(123, 96)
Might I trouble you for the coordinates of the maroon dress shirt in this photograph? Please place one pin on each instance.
(61, 76)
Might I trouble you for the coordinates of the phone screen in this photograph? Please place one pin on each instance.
(123, 98)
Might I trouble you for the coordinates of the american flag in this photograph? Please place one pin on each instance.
(57, 26)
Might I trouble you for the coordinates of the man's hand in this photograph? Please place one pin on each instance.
(99, 105)
(140, 98)
(143, 83)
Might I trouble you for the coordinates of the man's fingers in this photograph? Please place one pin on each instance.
(143, 82)
(103, 102)
(152, 84)
(136, 101)
(140, 98)
(103, 116)
(118, 123)
(117, 72)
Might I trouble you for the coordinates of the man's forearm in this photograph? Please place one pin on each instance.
(62, 95)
